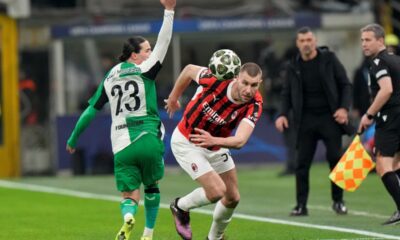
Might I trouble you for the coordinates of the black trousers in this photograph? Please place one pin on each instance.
(289, 136)
(316, 127)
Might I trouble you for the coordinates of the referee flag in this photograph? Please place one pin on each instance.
(353, 167)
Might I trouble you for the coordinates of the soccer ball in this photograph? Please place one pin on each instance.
(224, 64)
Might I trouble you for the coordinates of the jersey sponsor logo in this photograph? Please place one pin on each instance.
(376, 61)
(119, 127)
(130, 124)
(381, 73)
(129, 71)
(212, 115)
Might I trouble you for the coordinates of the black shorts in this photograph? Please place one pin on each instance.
(387, 134)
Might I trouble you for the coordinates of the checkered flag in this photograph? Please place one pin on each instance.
(353, 167)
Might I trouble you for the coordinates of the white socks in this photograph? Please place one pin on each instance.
(195, 199)
(221, 218)
(148, 232)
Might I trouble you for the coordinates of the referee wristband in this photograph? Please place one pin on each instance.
(369, 116)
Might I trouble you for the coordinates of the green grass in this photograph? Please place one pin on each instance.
(36, 215)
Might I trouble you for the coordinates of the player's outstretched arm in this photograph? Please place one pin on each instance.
(164, 37)
(189, 73)
(205, 139)
(84, 120)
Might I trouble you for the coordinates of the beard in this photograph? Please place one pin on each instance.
(307, 50)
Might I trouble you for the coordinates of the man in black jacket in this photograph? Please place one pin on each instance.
(319, 93)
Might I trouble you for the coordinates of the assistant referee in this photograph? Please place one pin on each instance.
(384, 71)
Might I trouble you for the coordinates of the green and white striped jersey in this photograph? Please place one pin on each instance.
(130, 89)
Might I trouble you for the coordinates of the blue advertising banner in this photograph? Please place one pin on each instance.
(265, 145)
(186, 26)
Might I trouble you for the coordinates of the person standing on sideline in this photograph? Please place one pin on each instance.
(318, 92)
(384, 72)
(361, 95)
(130, 88)
(202, 138)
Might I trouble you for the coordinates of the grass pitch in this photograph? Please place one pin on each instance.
(262, 214)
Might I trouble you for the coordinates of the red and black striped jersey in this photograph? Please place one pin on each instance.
(213, 109)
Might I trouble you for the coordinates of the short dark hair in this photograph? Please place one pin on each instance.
(251, 68)
(304, 30)
(130, 46)
(377, 29)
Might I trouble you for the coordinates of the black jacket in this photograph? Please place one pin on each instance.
(335, 83)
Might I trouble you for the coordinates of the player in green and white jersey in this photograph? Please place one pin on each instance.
(136, 130)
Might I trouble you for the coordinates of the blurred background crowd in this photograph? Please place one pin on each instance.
(65, 47)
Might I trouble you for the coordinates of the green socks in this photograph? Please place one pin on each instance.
(151, 205)
(128, 206)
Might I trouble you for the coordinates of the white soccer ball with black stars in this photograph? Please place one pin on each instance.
(224, 64)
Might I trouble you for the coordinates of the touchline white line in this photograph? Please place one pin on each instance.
(73, 193)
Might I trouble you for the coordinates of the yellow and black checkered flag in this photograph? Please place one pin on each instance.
(353, 167)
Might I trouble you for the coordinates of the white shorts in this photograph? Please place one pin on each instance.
(197, 161)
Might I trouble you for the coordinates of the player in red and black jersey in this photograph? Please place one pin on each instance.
(215, 111)
(202, 139)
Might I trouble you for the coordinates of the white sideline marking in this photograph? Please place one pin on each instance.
(38, 188)
(351, 239)
(352, 212)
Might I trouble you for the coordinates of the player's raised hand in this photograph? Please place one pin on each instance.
(70, 149)
(168, 4)
(171, 106)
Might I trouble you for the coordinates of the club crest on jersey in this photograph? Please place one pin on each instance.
(194, 167)
(376, 61)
